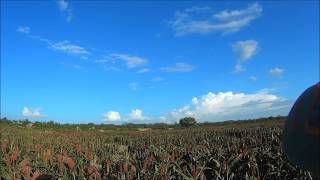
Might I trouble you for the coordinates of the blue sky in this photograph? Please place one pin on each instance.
(145, 62)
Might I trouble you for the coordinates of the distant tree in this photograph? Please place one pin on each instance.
(4, 119)
(160, 125)
(50, 122)
(25, 121)
(187, 121)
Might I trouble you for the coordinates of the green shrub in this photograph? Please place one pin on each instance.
(187, 121)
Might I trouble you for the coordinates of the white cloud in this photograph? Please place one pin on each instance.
(63, 46)
(67, 47)
(29, 112)
(84, 57)
(133, 85)
(112, 116)
(24, 29)
(164, 119)
(144, 70)
(199, 20)
(276, 71)
(178, 67)
(63, 6)
(195, 100)
(157, 79)
(238, 68)
(184, 111)
(136, 114)
(245, 49)
(253, 78)
(102, 61)
(229, 105)
(254, 9)
(130, 60)
(75, 66)
(198, 9)
(111, 68)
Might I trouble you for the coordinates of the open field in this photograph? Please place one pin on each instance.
(159, 90)
(233, 150)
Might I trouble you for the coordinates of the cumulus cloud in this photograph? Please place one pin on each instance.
(64, 7)
(112, 116)
(34, 113)
(164, 119)
(178, 67)
(230, 105)
(276, 71)
(130, 60)
(244, 50)
(69, 48)
(136, 114)
(202, 21)
(24, 29)
(195, 100)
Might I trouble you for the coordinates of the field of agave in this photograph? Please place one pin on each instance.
(213, 152)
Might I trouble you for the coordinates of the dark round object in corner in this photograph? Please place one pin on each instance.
(301, 134)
